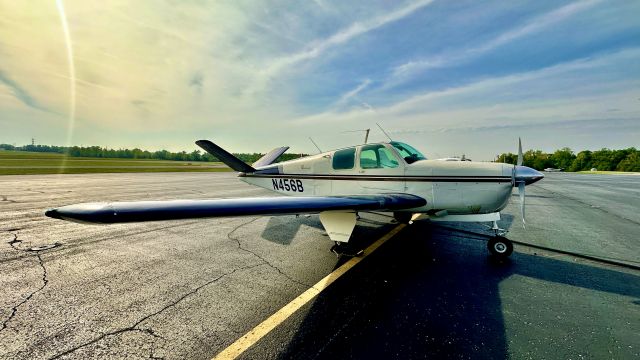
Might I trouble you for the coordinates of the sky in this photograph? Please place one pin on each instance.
(448, 77)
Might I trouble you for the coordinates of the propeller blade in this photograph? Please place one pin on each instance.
(519, 152)
(521, 192)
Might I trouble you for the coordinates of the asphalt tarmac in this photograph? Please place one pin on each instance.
(189, 289)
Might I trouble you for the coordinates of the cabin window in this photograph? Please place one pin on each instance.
(344, 159)
(376, 157)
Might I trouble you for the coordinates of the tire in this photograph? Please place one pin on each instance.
(500, 247)
(402, 217)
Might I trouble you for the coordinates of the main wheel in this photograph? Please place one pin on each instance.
(500, 246)
(402, 217)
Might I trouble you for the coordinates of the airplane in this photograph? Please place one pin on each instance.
(385, 177)
(455, 158)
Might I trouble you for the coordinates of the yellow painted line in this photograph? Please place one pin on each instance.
(265, 327)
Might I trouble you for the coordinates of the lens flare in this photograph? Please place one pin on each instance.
(72, 76)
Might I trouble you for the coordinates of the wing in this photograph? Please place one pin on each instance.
(119, 212)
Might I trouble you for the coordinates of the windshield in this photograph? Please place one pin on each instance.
(408, 153)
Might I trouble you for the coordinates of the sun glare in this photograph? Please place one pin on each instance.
(72, 75)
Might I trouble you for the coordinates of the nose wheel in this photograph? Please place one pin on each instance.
(500, 247)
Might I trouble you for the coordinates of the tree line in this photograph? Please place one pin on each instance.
(103, 152)
(565, 158)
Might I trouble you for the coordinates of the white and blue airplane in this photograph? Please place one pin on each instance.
(387, 177)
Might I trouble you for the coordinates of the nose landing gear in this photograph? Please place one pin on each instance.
(498, 245)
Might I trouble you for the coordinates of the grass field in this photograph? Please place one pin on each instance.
(33, 163)
(609, 172)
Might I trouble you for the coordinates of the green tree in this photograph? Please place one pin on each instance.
(563, 158)
(631, 162)
(195, 156)
(508, 158)
(582, 161)
(601, 160)
(536, 159)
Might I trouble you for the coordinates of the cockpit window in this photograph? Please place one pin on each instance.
(408, 153)
(344, 159)
(376, 156)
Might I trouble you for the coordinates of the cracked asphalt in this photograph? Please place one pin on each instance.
(188, 289)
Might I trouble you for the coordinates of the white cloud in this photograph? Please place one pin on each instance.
(316, 48)
(164, 74)
(134, 61)
(570, 90)
(409, 69)
(351, 94)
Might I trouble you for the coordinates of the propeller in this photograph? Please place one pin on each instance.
(519, 152)
(523, 176)
(521, 184)
(521, 192)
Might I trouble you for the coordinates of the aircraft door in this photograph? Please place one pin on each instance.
(380, 169)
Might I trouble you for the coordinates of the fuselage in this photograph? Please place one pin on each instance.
(459, 187)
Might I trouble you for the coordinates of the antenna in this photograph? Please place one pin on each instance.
(366, 135)
(316, 145)
(390, 139)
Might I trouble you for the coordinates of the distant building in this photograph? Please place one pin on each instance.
(455, 158)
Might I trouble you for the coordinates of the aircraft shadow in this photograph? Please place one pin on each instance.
(428, 293)
(283, 229)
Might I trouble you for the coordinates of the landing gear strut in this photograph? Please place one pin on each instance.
(499, 246)
(343, 249)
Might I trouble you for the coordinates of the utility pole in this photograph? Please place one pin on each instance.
(33, 142)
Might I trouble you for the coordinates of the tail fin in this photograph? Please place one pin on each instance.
(224, 156)
(270, 157)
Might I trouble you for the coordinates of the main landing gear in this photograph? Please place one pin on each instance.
(343, 249)
(499, 246)
(403, 217)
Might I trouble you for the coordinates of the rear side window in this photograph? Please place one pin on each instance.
(344, 159)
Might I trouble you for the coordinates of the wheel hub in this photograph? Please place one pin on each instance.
(500, 247)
